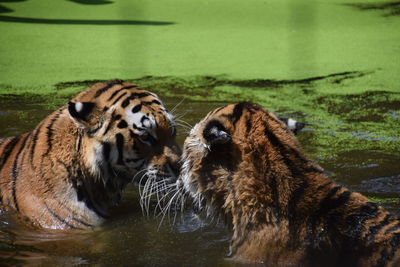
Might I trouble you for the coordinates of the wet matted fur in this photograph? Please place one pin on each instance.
(243, 163)
(71, 169)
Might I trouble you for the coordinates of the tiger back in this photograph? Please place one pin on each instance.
(71, 169)
(242, 163)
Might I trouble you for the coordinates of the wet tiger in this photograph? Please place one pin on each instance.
(71, 169)
(243, 163)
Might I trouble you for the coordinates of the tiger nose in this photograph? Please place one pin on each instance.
(168, 159)
(174, 155)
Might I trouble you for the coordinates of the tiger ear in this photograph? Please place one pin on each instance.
(293, 125)
(215, 133)
(80, 112)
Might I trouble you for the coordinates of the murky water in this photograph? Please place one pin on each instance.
(134, 238)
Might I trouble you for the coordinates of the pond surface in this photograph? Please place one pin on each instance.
(354, 137)
(333, 64)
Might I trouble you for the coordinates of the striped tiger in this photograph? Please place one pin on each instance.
(71, 169)
(242, 163)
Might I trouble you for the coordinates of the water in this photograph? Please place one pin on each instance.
(138, 239)
(331, 63)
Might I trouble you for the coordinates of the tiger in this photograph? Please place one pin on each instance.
(70, 171)
(242, 163)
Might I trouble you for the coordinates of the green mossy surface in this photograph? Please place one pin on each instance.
(45, 42)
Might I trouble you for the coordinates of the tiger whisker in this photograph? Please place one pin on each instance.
(162, 210)
(183, 201)
(180, 199)
(156, 190)
(148, 186)
(156, 185)
(165, 196)
(184, 126)
(162, 199)
(145, 204)
(136, 174)
(177, 105)
(180, 116)
(185, 123)
(167, 208)
(157, 193)
(141, 193)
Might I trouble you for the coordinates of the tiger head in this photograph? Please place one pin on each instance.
(127, 133)
(227, 146)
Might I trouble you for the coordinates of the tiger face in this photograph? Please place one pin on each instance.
(244, 164)
(213, 151)
(127, 129)
(69, 172)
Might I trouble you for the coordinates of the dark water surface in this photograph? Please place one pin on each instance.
(350, 143)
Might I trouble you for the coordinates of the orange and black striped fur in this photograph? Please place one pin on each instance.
(71, 169)
(243, 163)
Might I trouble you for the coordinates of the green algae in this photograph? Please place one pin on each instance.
(48, 41)
(383, 200)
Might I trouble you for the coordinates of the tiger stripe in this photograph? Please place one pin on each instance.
(60, 219)
(367, 212)
(388, 253)
(13, 141)
(133, 96)
(374, 230)
(15, 170)
(120, 148)
(73, 218)
(150, 103)
(119, 98)
(136, 108)
(125, 88)
(122, 124)
(49, 133)
(393, 228)
(107, 87)
(275, 196)
(111, 122)
(292, 208)
(35, 137)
